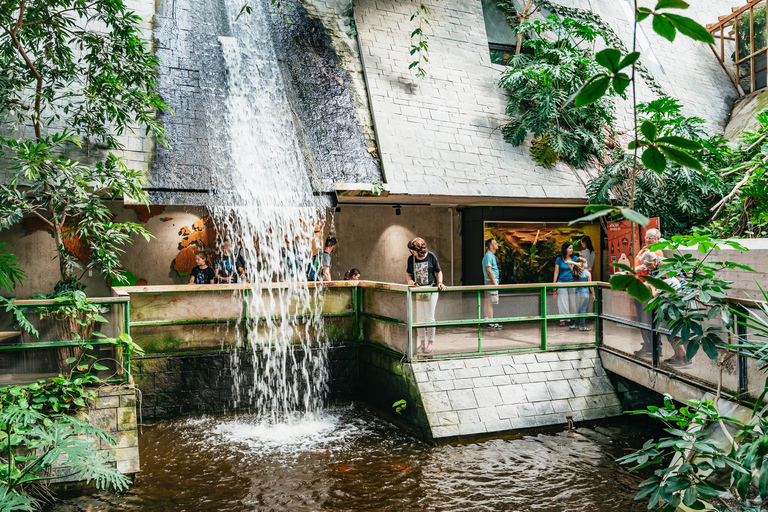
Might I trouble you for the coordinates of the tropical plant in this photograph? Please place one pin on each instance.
(74, 70)
(687, 313)
(11, 274)
(35, 437)
(680, 195)
(744, 210)
(540, 82)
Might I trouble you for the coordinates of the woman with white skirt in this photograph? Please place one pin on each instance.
(566, 297)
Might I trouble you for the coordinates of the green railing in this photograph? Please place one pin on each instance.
(534, 304)
(381, 314)
(25, 358)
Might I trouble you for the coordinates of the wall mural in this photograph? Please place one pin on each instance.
(528, 250)
(200, 236)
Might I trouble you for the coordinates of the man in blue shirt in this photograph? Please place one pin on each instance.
(491, 274)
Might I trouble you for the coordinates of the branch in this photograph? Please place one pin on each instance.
(719, 206)
(717, 398)
(46, 220)
(22, 8)
(758, 141)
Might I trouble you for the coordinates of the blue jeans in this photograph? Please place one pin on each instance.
(582, 302)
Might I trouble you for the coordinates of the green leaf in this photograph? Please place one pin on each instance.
(593, 90)
(634, 286)
(690, 28)
(649, 130)
(680, 142)
(642, 13)
(663, 27)
(709, 348)
(620, 83)
(742, 486)
(670, 4)
(680, 157)
(654, 160)
(99, 367)
(609, 58)
(762, 484)
(633, 216)
(622, 266)
(630, 59)
(659, 284)
(70, 360)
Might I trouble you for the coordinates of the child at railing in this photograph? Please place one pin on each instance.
(581, 274)
(202, 273)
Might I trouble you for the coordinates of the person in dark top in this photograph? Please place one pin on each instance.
(423, 269)
(202, 273)
(225, 265)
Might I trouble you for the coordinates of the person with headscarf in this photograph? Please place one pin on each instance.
(423, 269)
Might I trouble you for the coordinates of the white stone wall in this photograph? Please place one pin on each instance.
(685, 69)
(508, 392)
(440, 135)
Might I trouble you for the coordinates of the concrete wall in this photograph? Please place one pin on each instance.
(374, 239)
(151, 261)
(745, 283)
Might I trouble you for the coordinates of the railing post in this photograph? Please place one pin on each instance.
(599, 317)
(479, 317)
(655, 340)
(409, 304)
(741, 359)
(127, 330)
(543, 311)
(357, 330)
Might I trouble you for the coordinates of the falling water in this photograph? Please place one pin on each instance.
(270, 215)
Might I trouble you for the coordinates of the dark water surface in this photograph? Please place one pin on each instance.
(350, 460)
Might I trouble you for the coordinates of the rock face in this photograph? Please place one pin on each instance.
(302, 67)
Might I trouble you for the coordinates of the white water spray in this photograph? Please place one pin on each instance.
(270, 216)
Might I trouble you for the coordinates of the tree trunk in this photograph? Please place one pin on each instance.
(58, 239)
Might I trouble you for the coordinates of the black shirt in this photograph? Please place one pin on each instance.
(203, 275)
(424, 271)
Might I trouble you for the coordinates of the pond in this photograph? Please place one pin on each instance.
(349, 459)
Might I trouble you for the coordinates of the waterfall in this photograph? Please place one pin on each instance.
(269, 215)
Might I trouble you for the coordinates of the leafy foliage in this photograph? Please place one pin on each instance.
(420, 41)
(744, 211)
(82, 62)
(540, 82)
(10, 272)
(71, 199)
(688, 311)
(697, 466)
(680, 195)
(84, 66)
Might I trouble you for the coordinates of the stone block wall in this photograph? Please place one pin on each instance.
(173, 385)
(508, 392)
(115, 413)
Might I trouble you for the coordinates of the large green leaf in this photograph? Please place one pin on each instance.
(690, 28)
(634, 216)
(593, 90)
(670, 4)
(633, 286)
(609, 58)
(654, 160)
(663, 27)
(680, 157)
(680, 142)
